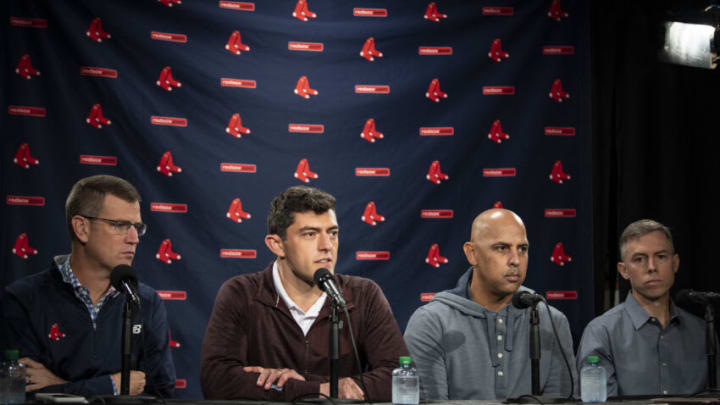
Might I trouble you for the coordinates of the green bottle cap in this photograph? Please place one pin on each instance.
(404, 360)
(12, 354)
(592, 359)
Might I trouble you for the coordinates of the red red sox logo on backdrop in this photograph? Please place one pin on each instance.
(96, 118)
(432, 13)
(557, 93)
(235, 211)
(166, 80)
(558, 255)
(235, 126)
(496, 133)
(55, 333)
(369, 133)
(170, 3)
(22, 247)
(433, 257)
(556, 12)
(95, 31)
(166, 165)
(498, 204)
(557, 174)
(435, 173)
(370, 214)
(496, 51)
(22, 157)
(171, 342)
(25, 67)
(235, 45)
(302, 88)
(303, 173)
(368, 50)
(301, 11)
(165, 252)
(433, 92)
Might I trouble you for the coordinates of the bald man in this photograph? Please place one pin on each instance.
(470, 343)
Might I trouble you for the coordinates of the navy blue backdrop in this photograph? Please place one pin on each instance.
(209, 108)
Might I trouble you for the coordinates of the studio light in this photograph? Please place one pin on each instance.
(695, 42)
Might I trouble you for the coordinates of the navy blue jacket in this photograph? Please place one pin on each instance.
(46, 322)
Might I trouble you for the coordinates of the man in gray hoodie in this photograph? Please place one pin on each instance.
(470, 343)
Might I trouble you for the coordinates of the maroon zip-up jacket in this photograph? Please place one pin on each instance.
(251, 326)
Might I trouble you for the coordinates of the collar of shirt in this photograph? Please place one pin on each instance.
(81, 292)
(639, 316)
(302, 318)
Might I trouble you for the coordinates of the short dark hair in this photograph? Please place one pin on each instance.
(88, 195)
(296, 199)
(641, 228)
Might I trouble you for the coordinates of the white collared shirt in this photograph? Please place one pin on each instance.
(303, 319)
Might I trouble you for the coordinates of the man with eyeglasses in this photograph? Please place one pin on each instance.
(67, 321)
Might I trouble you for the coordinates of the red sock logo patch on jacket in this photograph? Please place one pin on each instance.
(165, 253)
(22, 157)
(55, 333)
(95, 31)
(166, 165)
(22, 247)
(25, 68)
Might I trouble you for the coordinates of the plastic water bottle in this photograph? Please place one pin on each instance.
(593, 381)
(405, 383)
(12, 379)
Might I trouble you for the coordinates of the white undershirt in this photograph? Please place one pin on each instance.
(303, 319)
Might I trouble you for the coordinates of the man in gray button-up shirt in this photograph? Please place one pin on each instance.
(470, 343)
(648, 345)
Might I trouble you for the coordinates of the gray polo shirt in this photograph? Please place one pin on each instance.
(642, 358)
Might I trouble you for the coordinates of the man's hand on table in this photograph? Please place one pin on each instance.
(273, 376)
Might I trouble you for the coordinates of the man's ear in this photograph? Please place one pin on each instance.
(623, 270)
(81, 228)
(275, 244)
(469, 250)
(676, 262)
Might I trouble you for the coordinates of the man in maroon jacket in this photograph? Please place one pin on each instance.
(269, 331)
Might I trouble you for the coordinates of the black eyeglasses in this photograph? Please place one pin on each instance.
(121, 227)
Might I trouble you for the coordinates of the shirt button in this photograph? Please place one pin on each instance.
(500, 373)
(500, 356)
(499, 337)
(499, 320)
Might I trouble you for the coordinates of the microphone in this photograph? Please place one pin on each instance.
(325, 280)
(124, 279)
(685, 297)
(524, 299)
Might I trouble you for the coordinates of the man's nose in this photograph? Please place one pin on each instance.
(514, 259)
(324, 242)
(132, 236)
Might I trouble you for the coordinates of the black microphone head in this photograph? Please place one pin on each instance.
(320, 276)
(518, 301)
(122, 273)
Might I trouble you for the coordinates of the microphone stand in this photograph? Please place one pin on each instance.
(710, 346)
(334, 348)
(535, 350)
(126, 348)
